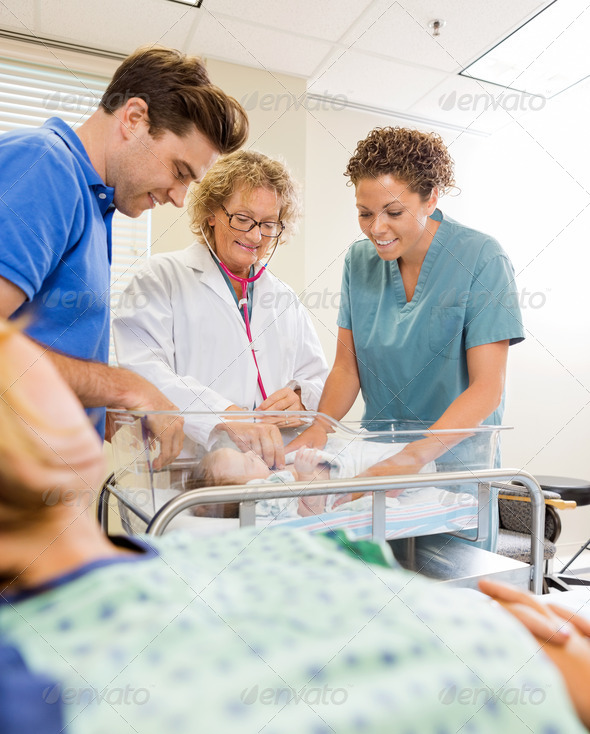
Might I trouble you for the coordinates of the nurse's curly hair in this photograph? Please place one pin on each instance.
(421, 160)
(248, 170)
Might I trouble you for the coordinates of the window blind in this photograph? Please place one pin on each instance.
(30, 94)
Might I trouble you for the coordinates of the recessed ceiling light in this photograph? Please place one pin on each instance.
(194, 3)
(545, 56)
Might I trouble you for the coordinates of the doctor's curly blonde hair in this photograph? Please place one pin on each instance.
(421, 160)
(247, 170)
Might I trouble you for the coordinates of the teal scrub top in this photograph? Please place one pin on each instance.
(412, 356)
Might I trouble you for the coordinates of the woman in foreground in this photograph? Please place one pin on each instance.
(183, 634)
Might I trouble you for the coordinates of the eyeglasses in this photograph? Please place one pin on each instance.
(242, 223)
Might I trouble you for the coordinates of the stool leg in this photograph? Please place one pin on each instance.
(573, 558)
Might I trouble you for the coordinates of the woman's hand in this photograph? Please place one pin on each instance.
(263, 438)
(314, 437)
(283, 399)
(563, 635)
(549, 623)
(405, 462)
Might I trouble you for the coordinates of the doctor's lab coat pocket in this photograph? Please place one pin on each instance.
(446, 330)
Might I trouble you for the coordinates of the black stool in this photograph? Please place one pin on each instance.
(569, 489)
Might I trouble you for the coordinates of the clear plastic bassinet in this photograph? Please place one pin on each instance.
(144, 492)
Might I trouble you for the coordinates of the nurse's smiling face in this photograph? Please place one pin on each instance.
(395, 218)
(240, 250)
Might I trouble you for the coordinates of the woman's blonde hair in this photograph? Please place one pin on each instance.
(23, 427)
(421, 160)
(14, 406)
(18, 419)
(246, 170)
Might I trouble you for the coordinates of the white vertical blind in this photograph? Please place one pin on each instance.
(30, 94)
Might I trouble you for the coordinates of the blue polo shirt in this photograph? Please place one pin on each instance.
(55, 238)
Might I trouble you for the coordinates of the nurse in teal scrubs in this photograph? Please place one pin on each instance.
(429, 306)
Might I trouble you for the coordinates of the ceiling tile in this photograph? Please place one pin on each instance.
(327, 20)
(400, 30)
(241, 43)
(373, 81)
(116, 25)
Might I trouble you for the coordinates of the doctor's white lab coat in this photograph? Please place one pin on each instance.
(178, 325)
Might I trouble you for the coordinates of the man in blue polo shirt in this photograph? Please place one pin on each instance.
(159, 126)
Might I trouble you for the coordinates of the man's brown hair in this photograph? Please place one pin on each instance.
(179, 94)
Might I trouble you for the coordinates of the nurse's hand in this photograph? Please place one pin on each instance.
(263, 438)
(283, 399)
(314, 437)
(402, 463)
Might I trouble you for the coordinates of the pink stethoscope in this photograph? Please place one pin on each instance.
(243, 304)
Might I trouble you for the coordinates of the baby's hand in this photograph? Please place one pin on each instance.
(312, 505)
(306, 461)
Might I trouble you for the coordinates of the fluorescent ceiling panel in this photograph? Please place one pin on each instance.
(545, 56)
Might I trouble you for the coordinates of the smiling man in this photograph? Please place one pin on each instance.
(160, 125)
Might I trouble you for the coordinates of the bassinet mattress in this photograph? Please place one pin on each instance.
(425, 511)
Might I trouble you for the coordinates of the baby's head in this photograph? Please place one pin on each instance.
(230, 466)
(224, 467)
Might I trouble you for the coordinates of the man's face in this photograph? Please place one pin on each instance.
(151, 170)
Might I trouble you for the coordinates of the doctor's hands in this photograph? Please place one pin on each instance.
(263, 438)
(283, 399)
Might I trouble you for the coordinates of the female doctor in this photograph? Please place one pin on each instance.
(211, 326)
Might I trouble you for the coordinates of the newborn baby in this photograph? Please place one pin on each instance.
(340, 459)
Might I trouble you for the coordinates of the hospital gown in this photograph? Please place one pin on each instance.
(278, 632)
